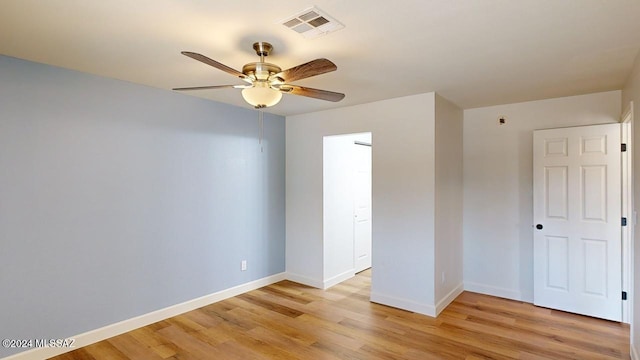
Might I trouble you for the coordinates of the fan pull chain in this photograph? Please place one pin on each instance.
(261, 125)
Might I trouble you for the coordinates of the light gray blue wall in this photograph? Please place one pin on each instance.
(118, 199)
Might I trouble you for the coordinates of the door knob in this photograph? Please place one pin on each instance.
(539, 226)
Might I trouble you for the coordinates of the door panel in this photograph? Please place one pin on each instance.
(362, 207)
(593, 183)
(556, 182)
(595, 265)
(557, 261)
(577, 252)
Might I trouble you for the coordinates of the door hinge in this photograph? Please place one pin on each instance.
(623, 147)
(624, 221)
(624, 295)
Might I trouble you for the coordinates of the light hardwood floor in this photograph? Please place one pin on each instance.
(291, 321)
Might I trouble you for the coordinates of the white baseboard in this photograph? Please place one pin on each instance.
(338, 279)
(121, 327)
(404, 304)
(452, 295)
(300, 279)
(634, 353)
(493, 291)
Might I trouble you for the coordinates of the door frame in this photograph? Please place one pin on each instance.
(627, 211)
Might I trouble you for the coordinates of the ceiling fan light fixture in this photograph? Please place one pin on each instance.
(261, 95)
(268, 81)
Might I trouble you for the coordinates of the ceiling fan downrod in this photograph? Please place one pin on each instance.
(262, 49)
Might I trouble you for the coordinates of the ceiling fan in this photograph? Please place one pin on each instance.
(266, 82)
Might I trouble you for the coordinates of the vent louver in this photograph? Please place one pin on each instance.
(312, 23)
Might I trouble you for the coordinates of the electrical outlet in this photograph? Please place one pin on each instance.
(243, 265)
(443, 277)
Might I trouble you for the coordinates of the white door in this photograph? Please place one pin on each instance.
(577, 221)
(362, 207)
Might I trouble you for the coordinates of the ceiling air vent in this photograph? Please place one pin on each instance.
(312, 23)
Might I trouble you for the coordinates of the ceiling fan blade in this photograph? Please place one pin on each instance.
(214, 63)
(306, 70)
(313, 93)
(212, 87)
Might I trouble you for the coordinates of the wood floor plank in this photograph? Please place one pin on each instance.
(189, 347)
(342, 352)
(283, 294)
(101, 350)
(133, 349)
(281, 326)
(522, 342)
(148, 336)
(234, 351)
(287, 320)
(270, 305)
(301, 351)
(80, 354)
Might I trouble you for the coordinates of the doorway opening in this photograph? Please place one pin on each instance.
(347, 210)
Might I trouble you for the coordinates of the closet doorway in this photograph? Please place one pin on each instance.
(347, 210)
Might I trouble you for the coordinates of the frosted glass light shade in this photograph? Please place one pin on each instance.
(260, 95)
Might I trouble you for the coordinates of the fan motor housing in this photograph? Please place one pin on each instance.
(260, 70)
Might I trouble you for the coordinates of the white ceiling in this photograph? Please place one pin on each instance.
(473, 52)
